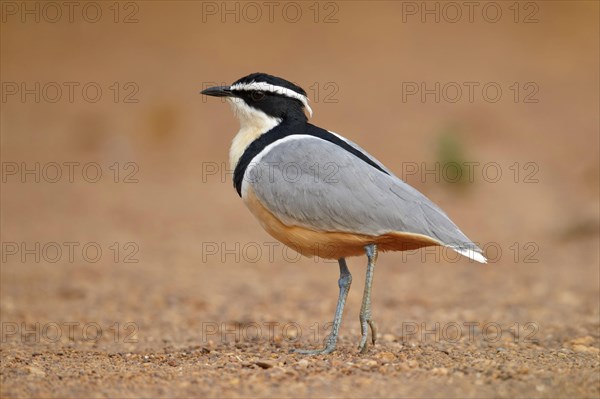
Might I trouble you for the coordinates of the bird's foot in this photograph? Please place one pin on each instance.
(365, 324)
(323, 351)
(329, 347)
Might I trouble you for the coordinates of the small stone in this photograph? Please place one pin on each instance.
(370, 362)
(402, 367)
(264, 364)
(303, 363)
(36, 371)
(585, 349)
(587, 340)
(412, 364)
(387, 357)
(439, 371)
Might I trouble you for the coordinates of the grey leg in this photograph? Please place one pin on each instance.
(344, 283)
(365, 309)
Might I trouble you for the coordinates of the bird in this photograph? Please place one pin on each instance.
(322, 194)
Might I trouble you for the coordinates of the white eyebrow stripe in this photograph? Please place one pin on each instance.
(274, 89)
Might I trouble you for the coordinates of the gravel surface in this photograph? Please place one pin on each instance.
(189, 297)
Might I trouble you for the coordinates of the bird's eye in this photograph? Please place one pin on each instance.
(257, 95)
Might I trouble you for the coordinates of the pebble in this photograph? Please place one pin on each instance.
(370, 362)
(36, 371)
(587, 340)
(264, 364)
(387, 357)
(412, 364)
(303, 363)
(585, 349)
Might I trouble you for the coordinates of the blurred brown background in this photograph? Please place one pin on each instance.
(166, 199)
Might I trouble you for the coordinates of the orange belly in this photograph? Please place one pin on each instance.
(331, 244)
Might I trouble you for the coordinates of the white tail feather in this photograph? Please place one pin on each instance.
(469, 253)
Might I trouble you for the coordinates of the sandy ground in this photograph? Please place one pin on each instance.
(153, 280)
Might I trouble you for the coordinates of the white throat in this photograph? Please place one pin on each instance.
(253, 123)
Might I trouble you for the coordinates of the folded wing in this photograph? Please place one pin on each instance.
(313, 183)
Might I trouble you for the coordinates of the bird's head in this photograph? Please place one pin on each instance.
(260, 95)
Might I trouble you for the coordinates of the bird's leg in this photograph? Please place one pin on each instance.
(344, 283)
(365, 309)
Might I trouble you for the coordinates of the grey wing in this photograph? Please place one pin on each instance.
(313, 183)
(359, 148)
